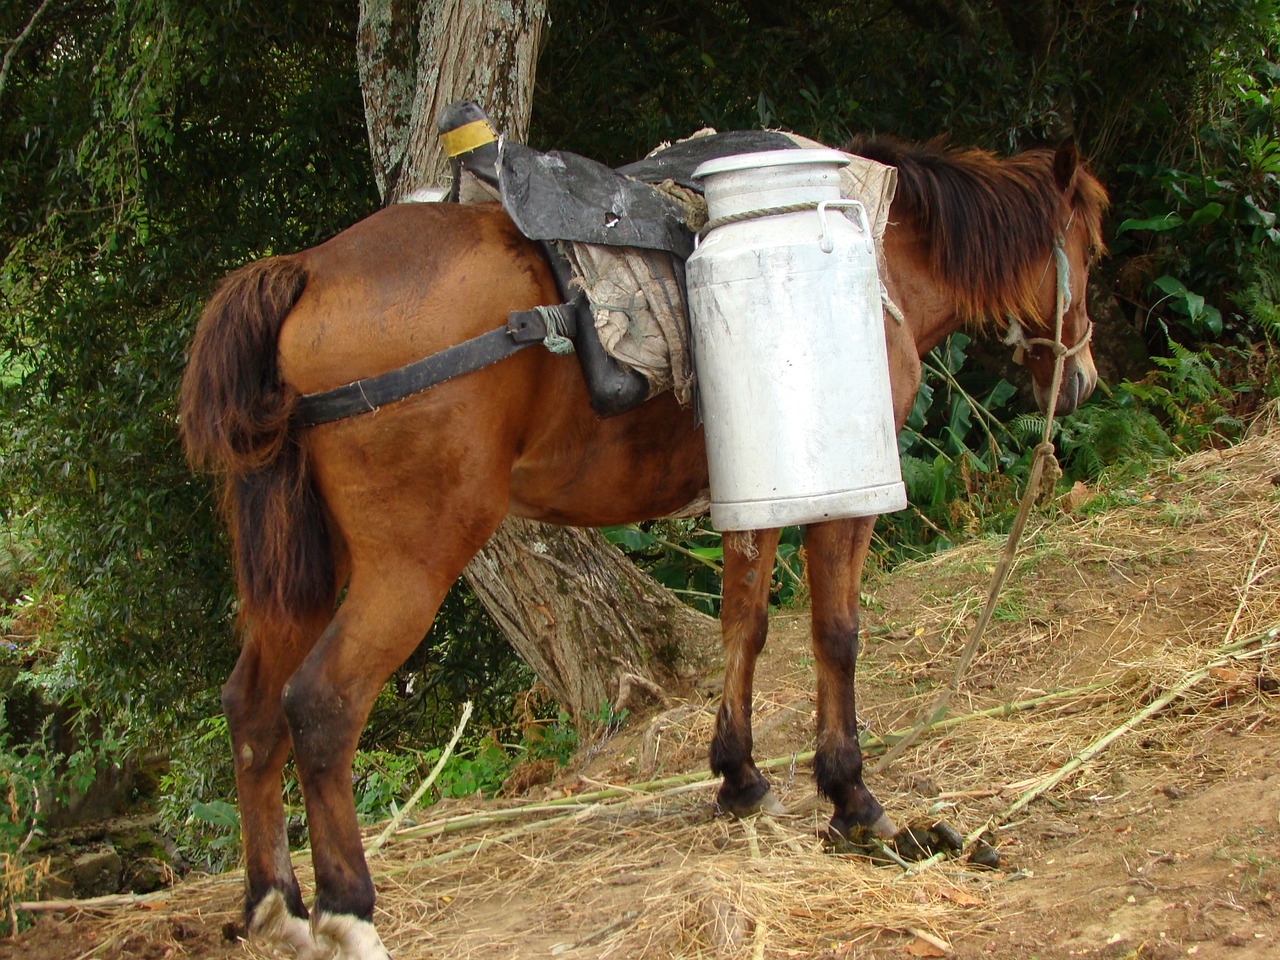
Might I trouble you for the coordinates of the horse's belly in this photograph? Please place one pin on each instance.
(593, 473)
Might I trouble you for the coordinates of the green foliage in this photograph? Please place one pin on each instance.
(959, 463)
(195, 791)
(23, 773)
(146, 147)
(47, 760)
(1187, 388)
(1114, 430)
(1260, 300)
(1197, 226)
(687, 557)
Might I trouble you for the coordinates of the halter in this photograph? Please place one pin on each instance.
(1016, 336)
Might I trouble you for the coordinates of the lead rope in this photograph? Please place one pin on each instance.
(1044, 455)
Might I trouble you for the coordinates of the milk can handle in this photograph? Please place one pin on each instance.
(827, 244)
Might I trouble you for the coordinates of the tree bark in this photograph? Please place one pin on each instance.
(590, 625)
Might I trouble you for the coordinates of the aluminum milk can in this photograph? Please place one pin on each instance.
(788, 338)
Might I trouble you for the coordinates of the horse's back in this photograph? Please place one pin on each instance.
(402, 284)
(415, 279)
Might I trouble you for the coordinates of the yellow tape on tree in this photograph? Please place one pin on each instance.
(467, 137)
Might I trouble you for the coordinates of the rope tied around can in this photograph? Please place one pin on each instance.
(756, 215)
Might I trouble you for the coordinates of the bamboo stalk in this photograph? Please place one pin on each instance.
(485, 842)
(92, 903)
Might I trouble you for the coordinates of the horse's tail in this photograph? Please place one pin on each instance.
(241, 423)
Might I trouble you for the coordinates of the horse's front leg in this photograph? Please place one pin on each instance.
(744, 624)
(837, 551)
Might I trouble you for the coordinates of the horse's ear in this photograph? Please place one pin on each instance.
(1065, 163)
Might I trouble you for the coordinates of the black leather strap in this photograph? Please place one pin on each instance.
(524, 328)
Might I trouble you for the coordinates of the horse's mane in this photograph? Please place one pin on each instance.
(989, 223)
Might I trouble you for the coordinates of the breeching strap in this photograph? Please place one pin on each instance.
(550, 326)
(1044, 453)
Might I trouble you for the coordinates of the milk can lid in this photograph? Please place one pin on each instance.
(768, 158)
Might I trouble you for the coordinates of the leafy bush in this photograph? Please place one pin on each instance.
(687, 557)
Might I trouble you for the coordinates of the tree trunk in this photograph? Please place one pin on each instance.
(591, 626)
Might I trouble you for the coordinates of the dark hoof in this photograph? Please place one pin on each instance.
(747, 803)
(844, 827)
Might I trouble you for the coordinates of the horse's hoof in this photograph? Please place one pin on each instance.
(841, 829)
(352, 938)
(771, 805)
(861, 841)
(742, 807)
(273, 923)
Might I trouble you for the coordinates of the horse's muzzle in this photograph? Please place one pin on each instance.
(1078, 382)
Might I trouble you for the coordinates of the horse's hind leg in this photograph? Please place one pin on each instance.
(391, 600)
(260, 744)
(744, 624)
(836, 552)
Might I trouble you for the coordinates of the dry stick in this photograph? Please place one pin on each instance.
(1244, 592)
(424, 786)
(486, 842)
(577, 813)
(464, 822)
(92, 903)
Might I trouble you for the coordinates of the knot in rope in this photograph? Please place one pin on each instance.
(557, 339)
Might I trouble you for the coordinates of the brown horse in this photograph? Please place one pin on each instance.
(392, 504)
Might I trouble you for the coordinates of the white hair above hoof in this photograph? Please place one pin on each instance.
(273, 923)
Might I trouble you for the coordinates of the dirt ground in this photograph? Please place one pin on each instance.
(1117, 732)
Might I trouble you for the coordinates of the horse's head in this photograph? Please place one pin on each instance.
(1038, 339)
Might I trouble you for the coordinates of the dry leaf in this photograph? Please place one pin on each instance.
(961, 896)
(1075, 498)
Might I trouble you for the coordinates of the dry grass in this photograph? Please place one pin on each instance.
(1110, 609)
